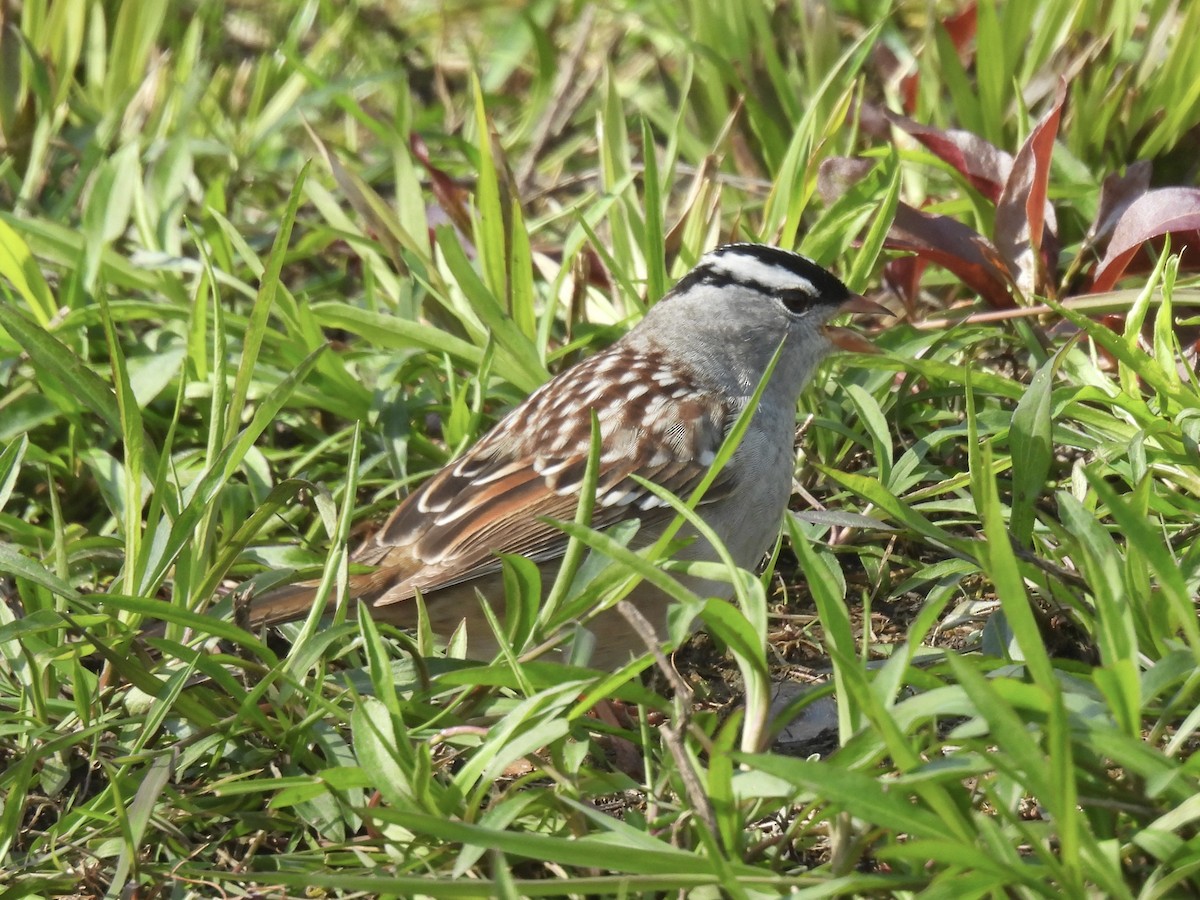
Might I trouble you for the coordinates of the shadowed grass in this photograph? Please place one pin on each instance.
(264, 268)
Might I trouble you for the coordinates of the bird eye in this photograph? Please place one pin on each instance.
(797, 300)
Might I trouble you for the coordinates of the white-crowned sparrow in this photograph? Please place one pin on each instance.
(665, 396)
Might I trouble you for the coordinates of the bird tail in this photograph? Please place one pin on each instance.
(275, 607)
(283, 604)
(290, 602)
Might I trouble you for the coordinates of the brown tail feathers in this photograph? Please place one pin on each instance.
(275, 607)
(283, 604)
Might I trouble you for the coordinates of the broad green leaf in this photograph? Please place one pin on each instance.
(19, 267)
(56, 361)
(1030, 441)
(10, 466)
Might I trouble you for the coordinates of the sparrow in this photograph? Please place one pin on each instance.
(665, 396)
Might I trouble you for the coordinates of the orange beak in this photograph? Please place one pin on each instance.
(848, 339)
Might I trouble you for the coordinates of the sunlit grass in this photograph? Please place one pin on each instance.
(264, 268)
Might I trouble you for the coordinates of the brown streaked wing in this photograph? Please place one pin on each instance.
(495, 498)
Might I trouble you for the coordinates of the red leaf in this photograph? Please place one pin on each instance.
(902, 277)
(1023, 213)
(910, 86)
(954, 246)
(981, 162)
(1174, 211)
(961, 29)
(904, 75)
(450, 197)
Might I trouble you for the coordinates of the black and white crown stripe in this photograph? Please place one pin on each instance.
(766, 270)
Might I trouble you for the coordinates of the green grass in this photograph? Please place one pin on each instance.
(265, 267)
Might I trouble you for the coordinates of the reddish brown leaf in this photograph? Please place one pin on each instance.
(910, 86)
(872, 120)
(981, 162)
(1174, 211)
(886, 63)
(961, 29)
(1023, 212)
(893, 70)
(1186, 244)
(955, 247)
(837, 174)
(450, 197)
(903, 278)
(1116, 194)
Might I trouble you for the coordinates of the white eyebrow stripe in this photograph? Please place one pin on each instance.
(746, 268)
